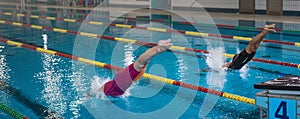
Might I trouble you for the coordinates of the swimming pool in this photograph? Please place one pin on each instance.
(58, 84)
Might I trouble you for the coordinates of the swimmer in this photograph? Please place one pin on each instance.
(239, 60)
(124, 78)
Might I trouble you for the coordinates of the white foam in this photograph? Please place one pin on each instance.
(215, 59)
(96, 83)
(244, 72)
(215, 79)
(127, 92)
(45, 38)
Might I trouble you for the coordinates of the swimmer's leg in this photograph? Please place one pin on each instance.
(255, 41)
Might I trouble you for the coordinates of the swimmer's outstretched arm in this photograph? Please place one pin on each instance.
(162, 46)
(254, 43)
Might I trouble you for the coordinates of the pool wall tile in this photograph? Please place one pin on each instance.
(262, 101)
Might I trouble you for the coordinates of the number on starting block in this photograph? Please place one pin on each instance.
(282, 108)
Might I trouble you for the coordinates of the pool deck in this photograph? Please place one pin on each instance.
(123, 10)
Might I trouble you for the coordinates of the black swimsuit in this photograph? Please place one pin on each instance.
(239, 60)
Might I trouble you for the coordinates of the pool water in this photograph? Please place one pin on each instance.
(59, 84)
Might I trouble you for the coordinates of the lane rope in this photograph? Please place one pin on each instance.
(249, 28)
(146, 75)
(122, 26)
(190, 33)
(125, 40)
(11, 112)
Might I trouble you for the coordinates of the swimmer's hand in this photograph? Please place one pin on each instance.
(164, 45)
(269, 28)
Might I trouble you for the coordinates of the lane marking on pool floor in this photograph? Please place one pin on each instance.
(145, 75)
(249, 28)
(125, 40)
(190, 33)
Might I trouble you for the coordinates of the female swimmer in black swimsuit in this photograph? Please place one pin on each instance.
(239, 60)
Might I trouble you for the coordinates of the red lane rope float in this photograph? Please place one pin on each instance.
(146, 75)
(125, 40)
(191, 33)
(168, 21)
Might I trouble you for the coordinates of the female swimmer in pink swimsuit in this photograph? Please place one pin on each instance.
(124, 78)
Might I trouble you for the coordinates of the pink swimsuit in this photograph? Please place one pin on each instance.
(122, 81)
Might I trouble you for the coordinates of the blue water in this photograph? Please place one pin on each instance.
(58, 84)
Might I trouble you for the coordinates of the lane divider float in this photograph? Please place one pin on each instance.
(249, 28)
(191, 33)
(146, 75)
(125, 40)
(10, 111)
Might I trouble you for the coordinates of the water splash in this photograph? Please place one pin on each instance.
(215, 78)
(128, 55)
(45, 39)
(182, 68)
(4, 73)
(79, 84)
(4, 69)
(52, 78)
(244, 72)
(215, 59)
(96, 83)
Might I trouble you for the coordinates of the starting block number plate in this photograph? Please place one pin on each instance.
(282, 108)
